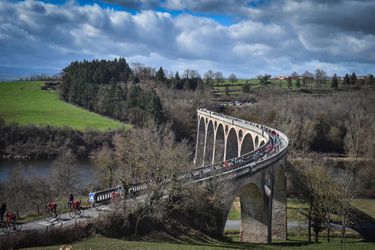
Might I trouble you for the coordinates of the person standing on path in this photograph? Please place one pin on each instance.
(71, 198)
(2, 210)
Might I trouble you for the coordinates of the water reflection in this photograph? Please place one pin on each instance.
(43, 168)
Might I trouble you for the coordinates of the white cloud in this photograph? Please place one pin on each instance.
(277, 38)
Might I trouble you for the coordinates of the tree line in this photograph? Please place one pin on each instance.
(45, 142)
(103, 87)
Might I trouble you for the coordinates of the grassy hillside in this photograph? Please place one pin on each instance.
(26, 103)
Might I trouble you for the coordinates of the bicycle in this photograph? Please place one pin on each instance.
(52, 215)
(77, 211)
(8, 227)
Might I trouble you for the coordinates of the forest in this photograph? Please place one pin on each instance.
(102, 87)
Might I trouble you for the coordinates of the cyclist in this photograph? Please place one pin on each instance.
(114, 195)
(52, 206)
(11, 218)
(76, 205)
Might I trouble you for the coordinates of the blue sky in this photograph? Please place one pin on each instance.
(245, 37)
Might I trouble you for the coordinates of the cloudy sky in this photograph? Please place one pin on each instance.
(245, 37)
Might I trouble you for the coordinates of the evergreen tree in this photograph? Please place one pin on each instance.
(335, 82)
(177, 84)
(289, 81)
(154, 107)
(298, 83)
(264, 80)
(246, 87)
(370, 80)
(346, 80)
(160, 75)
(353, 78)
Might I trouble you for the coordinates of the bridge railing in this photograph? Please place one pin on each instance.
(103, 195)
(257, 128)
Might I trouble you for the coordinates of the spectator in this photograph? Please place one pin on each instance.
(71, 199)
(2, 211)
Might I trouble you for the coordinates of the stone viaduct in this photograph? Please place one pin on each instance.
(262, 190)
(249, 159)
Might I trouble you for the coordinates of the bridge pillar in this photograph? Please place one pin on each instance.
(279, 208)
(253, 214)
(214, 148)
(197, 142)
(205, 143)
(225, 146)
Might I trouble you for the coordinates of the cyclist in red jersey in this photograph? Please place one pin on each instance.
(76, 204)
(52, 206)
(11, 218)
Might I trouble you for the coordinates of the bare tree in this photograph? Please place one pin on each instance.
(209, 77)
(64, 174)
(357, 128)
(105, 163)
(320, 76)
(294, 75)
(219, 77)
(40, 192)
(346, 192)
(232, 78)
(17, 191)
(152, 154)
(313, 181)
(190, 73)
(307, 78)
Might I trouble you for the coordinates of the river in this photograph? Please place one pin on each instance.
(43, 168)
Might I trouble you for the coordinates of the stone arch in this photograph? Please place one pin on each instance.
(209, 142)
(261, 143)
(247, 144)
(232, 144)
(253, 214)
(200, 142)
(256, 141)
(220, 144)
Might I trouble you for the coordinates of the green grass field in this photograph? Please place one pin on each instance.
(100, 242)
(26, 103)
(366, 205)
(235, 89)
